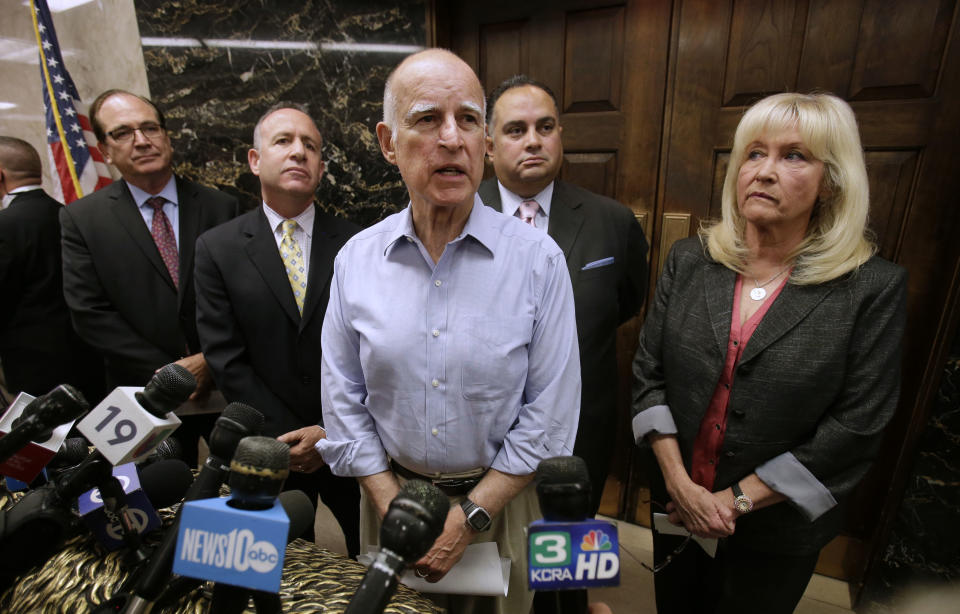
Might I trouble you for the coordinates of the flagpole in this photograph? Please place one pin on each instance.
(56, 115)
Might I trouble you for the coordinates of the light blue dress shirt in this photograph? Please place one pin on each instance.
(467, 363)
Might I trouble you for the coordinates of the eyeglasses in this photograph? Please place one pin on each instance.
(124, 134)
(669, 558)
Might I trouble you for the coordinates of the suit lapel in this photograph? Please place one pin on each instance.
(489, 193)
(566, 218)
(261, 247)
(718, 282)
(128, 215)
(792, 305)
(323, 250)
(189, 214)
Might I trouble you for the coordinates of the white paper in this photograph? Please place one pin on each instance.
(481, 571)
(662, 525)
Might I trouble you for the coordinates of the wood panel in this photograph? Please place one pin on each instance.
(593, 60)
(596, 172)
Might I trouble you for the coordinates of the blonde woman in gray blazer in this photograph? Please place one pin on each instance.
(769, 363)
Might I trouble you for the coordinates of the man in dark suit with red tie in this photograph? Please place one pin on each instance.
(38, 348)
(128, 253)
(263, 281)
(603, 244)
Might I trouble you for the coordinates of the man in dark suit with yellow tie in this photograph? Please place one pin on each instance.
(263, 281)
(603, 244)
(128, 253)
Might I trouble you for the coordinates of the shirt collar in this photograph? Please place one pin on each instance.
(479, 226)
(304, 220)
(169, 192)
(9, 196)
(510, 202)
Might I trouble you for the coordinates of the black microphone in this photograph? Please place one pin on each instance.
(129, 423)
(167, 390)
(38, 420)
(236, 422)
(299, 510)
(36, 527)
(257, 472)
(412, 523)
(563, 490)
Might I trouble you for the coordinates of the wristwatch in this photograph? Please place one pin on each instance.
(478, 518)
(741, 502)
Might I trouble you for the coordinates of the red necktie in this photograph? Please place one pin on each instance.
(164, 238)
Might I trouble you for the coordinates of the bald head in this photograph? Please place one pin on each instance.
(19, 163)
(430, 62)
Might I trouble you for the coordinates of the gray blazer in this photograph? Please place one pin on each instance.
(819, 378)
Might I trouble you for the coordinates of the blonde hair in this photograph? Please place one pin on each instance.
(837, 240)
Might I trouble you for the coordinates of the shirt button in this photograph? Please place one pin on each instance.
(727, 386)
(436, 333)
(736, 343)
(435, 383)
(711, 461)
(434, 432)
(438, 283)
(718, 426)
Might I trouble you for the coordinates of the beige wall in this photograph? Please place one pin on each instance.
(100, 43)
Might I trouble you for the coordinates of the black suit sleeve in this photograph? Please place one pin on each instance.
(95, 318)
(633, 283)
(9, 287)
(222, 341)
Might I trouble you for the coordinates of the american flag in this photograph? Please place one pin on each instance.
(72, 144)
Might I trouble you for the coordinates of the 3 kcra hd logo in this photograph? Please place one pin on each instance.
(237, 550)
(568, 556)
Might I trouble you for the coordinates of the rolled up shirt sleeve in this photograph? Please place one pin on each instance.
(548, 418)
(656, 419)
(786, 475)
(352, 446)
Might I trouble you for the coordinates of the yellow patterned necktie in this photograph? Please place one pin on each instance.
(293, 262)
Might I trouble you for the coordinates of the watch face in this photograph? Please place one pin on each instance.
(479, 519)
(743, 504)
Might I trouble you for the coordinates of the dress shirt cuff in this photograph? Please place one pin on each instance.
(656, 419)
(354, 458)
(786, 475)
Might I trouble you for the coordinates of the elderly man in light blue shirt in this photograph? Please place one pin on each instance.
(449, 344)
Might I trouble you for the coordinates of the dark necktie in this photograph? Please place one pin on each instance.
(163, 236)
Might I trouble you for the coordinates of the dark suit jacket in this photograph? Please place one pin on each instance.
(589, 228)
(261, 351)
(35, 332)
(819, 378)
(121, 297)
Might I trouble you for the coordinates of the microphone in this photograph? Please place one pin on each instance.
(130, 422)
(71, 452)
(240, 542)
(44, 420)
(166, 449)
(412, 523)
(36, 527)
(568, 551)
(159, 485)
(235, 422)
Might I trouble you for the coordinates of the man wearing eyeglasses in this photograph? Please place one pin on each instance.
(128, 253)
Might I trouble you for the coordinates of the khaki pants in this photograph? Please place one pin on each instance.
(508, 529)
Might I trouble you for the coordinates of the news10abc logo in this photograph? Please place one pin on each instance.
(573, 555)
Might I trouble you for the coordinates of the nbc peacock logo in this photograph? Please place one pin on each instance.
(595, 540)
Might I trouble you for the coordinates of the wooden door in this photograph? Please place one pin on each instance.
(651, 92)
(607, 66)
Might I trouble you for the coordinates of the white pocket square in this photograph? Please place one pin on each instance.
(597, 263)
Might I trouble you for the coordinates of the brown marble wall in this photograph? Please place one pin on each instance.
(214, 91)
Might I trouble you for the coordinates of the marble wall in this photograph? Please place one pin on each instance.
(923, 552)
(214, 66)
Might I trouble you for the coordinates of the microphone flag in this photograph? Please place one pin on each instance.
(27, 463)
